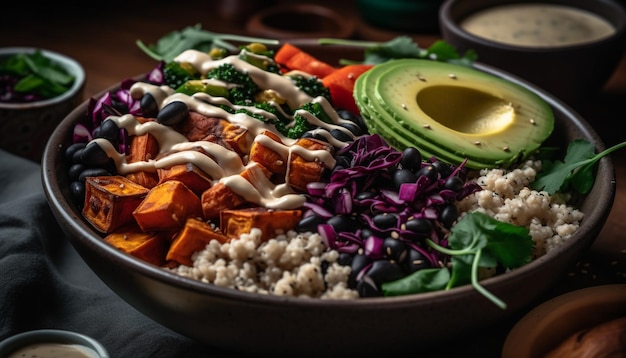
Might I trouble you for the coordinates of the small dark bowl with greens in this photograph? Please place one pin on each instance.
(38, 88)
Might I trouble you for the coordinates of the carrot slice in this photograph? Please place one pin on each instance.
(292, 57)
(341, 85)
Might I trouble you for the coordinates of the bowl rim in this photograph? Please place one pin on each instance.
(65, 210)
(70, 64)
(452, 24)
(47, 335)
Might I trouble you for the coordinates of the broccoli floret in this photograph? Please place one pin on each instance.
(266, 107)
(175, 74)
(312, 86)
(243, 93)
(300, 124)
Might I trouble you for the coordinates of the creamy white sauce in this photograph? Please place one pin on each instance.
(222, 164)
(538, 25)
(54, 350)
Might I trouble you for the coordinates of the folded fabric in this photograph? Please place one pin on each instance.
(46, 284)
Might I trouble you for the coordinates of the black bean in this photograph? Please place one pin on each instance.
(309, 223)
(345, 259)
(384, 271)
(402, 176)
(343, 223)
(411, 159)
(415, 260)
(385, 220)
(352, 127)
(109, 131)
(149, 106)
(444, 169)
(366, 233)
(69, 151)
(343, 161)
(428, 171)
(419, 225)
(358, 263)
(77, 157)
(366, 287)
(78, 190)
(75, 170)
(394, 249)
(341, 135)
(94, 156)
(173, 113)
(92, 172)
(448, 215)
(454, 183)
(365, 195)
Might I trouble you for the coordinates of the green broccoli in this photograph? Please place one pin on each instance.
(301, 125)
(243, 93)
(176, 74)
(312, 86)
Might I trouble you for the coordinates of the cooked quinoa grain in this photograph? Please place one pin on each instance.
(300, 265)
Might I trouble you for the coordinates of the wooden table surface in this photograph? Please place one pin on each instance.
(103, 39)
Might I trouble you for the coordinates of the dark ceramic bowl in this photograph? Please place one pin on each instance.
(571, 73)
(77, 344)
(26, 127)
(285, 326)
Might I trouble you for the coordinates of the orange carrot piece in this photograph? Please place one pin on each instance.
(341, 85)
(294, 58)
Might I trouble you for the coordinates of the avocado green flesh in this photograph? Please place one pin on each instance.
(453, 112)
(378, 121)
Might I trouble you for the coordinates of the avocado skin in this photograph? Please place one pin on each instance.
(453, 112)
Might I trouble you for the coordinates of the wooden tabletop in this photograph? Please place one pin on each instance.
(103, 41)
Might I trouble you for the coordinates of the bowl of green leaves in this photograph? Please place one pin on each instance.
(38, 88)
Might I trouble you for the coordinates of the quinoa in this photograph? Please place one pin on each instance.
(300, 264)
(507, 197)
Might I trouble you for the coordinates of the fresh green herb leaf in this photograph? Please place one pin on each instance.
(424, 280)
(193, 37)
(37, 74)
(402, 47)
(478, 240)
(576, 171)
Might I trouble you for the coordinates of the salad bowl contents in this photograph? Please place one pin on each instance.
(316, 199)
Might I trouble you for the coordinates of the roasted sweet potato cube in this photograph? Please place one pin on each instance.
(272, 155)
(110, 201)
(217, 198)
(167, 206)
(194, 236)
(150, 247)
(237, 137)
(198, 127)
(146, 179)
(235, 222)
(143, 147)
(188, 173)
(303, 169)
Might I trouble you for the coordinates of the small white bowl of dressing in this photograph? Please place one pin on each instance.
(569, 48)
(52, 343)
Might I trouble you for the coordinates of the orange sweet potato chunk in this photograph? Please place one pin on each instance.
(302, 170)
(149, 247)
(167, 206)
(271, 159)
(194, 236)
(235, 222)
(143, 148)
(188, 173)
(110, 201)
(217, 198)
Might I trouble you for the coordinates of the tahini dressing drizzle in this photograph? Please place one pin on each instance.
(225, 165)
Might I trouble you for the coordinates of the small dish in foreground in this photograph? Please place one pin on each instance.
(549, 324)
(62, 343)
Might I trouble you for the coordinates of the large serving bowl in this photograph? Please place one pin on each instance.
(285, 326)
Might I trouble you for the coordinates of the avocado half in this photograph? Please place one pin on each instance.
(453, 112)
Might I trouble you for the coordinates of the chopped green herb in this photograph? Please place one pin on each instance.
(193, 37)
(576, 171)
(402, 47)
(475, 241)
